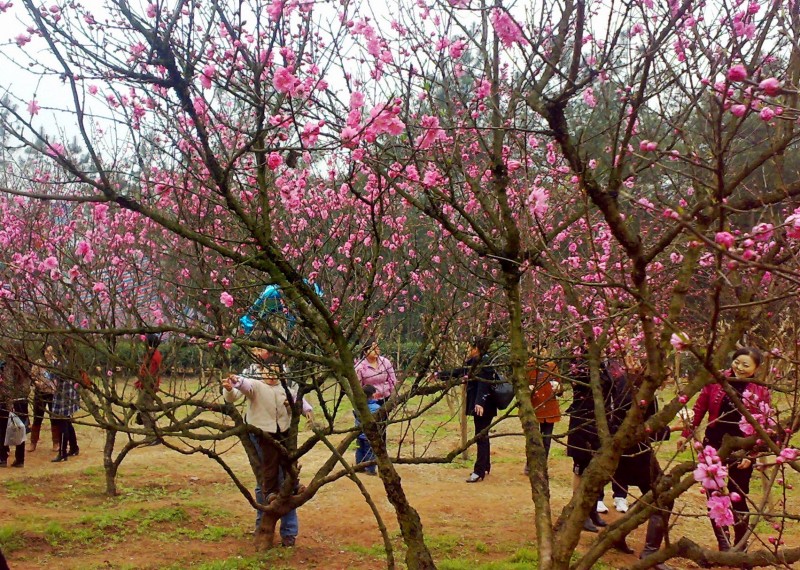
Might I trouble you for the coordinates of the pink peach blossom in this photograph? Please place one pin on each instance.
(725, 239)
(737, 72)
(738, 110)
(770, 86)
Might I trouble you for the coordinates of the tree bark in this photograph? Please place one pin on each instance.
(109, 464)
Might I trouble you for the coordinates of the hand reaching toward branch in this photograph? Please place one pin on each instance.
(227, 383)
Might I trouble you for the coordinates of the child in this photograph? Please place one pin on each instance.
(364, 451)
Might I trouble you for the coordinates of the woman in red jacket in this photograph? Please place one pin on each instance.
(723, 419)
(147, 382)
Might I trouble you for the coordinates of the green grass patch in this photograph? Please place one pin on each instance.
(207, 510)
(521, 559)
(95, 472)
(464, 564)
(143, 494)
(525, 555)
(444, 544)
(164, 515)
(55, 534)
(459, 463)
(16, 489)
(11, 539)
(207, 534)
(374, 551)
(110, 519)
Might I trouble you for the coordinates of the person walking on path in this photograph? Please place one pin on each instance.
(638, 465)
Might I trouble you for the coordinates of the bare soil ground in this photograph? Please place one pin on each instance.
(181, 512)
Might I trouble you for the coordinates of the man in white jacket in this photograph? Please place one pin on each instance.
(270, 410)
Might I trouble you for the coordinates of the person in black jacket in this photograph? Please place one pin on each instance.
(480, 376)
(582, 438)
(638, 465)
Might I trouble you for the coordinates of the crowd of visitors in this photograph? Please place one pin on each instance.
(272, 402)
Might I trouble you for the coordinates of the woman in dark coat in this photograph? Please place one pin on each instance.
(638, 466)
(15, 385)
(480, 377)
(582, 438)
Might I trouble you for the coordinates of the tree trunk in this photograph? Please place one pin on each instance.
(534, 445)
(109, 464)
(265, 532)
(418, 557)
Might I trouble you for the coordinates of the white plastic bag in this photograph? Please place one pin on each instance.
(15, 431)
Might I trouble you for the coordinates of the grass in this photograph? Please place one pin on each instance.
(140, 494)
(208, 534)
(55, 534)
(164, 515)
(444, 544)
(11, 539)
(106, 519)
(464, 564)
(19, 488)
(207, 511)
(374, 551)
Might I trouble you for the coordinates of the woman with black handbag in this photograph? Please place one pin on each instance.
(480, 375)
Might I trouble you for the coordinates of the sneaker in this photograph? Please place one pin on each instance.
(601, 507)
(288, 541)
(621, 504)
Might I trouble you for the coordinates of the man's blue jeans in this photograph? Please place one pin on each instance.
(289, 523)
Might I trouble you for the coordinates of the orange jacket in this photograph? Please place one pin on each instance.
(543, 398)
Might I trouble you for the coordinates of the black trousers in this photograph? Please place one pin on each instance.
(41, 402)
(483, 463)
(547, 435)
(739, 482)
(20, 407)
(68, 438)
